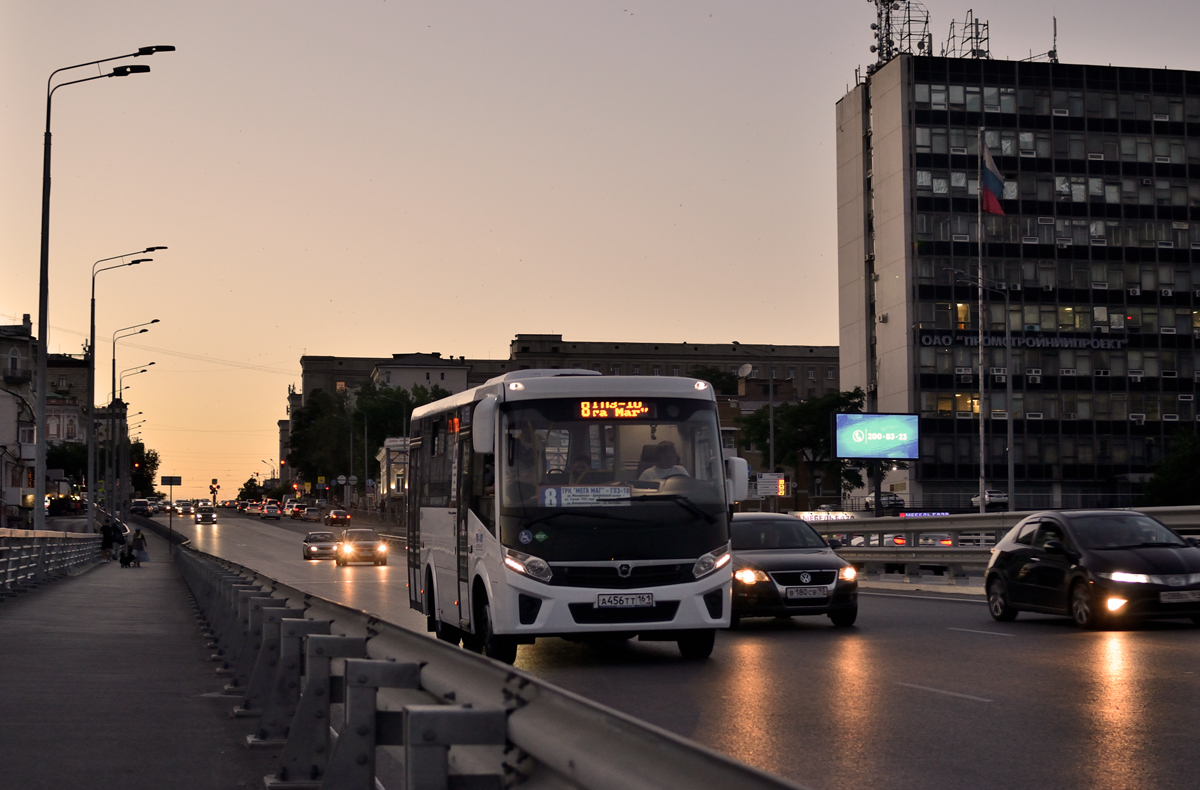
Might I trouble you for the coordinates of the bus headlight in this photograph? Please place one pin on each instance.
(711, 562)
(527, 564)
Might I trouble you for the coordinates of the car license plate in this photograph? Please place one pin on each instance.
(807, 592)
(624, 600)
(1183, 596)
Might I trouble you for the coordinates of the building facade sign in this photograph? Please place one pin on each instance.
(1020, 340)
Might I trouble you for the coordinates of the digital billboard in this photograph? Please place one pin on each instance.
(892, 436)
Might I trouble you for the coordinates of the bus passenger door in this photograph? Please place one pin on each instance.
(412, 503)
(463, 548)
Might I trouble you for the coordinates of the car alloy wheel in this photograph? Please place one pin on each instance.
(998, 604)
(1083, 608)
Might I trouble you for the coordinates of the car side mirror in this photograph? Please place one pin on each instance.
(834, 543)
(1194, 541)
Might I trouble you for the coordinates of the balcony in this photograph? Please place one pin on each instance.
(17, 376)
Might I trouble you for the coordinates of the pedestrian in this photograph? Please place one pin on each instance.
(106, 541)
(139, 549)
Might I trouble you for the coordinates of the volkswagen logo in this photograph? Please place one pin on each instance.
(805, 578)
(624, 569)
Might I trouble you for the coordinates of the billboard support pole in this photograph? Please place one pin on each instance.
(979, 328)
(877, 472)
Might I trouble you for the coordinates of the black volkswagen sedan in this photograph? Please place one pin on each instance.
(1100, 567)
(783, 568)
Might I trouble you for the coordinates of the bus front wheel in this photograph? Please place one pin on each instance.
(501, 648)
(696, 645)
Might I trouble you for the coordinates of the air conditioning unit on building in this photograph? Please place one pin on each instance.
(964, 371)
(1033, 371)
(1166, 292)
(1017, 287)
(1138, 373)
(1170, 374)
(1066, 371)
(965, 379)
(1070, 415)
(1137, 417)
(1135, 291)
(1001, 379)
(964, 415)
(1103, 372)
(1170, 418)
(1134, 378)
(882, 318)
(1100, 286)
(997, 371)
(999, 415)
(1186, 398)
(1034, 380)
(1033, 415)
(1167, 330)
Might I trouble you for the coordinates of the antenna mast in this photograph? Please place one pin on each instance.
(901, 26)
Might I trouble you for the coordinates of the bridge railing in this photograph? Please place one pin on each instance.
(550, 737)
(30, 557)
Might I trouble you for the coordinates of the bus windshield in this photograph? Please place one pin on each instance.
(615, 469)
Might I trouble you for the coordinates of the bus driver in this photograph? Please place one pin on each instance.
(666, 464)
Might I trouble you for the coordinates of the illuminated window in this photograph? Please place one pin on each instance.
(341, 385)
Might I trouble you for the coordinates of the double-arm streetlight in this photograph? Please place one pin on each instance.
(91, 403)
(39, 514)
(124, 332)
(118, 336)
(997, 287)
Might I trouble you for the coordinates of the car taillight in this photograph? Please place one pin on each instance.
(946, 542)
(899, 540)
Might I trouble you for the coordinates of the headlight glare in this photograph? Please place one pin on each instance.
(750, 576)
(1127, 578)
(711, 562)
(1115, 603)
(527, 564)
(381, 548)
(848, 574)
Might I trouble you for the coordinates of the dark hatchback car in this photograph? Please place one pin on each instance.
(783, 568)
(361, 545)
(1100, 567)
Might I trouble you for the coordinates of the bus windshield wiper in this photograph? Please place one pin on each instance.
(679, 499)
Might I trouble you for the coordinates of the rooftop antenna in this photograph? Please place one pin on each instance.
(972, 40)
(900, 26)
(1052, 55)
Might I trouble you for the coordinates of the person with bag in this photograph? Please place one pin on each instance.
(106, 541)
(139, 549)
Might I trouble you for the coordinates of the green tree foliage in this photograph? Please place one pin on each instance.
(1177, 480)
(804, 434)
(321, 435)
(144, 469)
(724, 383)
(71, 457)
(250, 489)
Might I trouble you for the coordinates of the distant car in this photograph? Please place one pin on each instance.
(990, 498)
(183, 508)
(322, 503)
(206, 514)
(270, 511)
(783, 568)
(253, 509)
(311, 514)
(140, 507)
(887, 498)
(296, 511)
(337, 517)
(320, 544)
(361, 545)
(1100, 567)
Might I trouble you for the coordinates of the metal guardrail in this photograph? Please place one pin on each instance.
(31, 557)
(391, 680)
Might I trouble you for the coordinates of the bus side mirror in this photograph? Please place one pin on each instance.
(483, 425)
(737, 479)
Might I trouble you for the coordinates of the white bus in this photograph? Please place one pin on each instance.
(566, 503)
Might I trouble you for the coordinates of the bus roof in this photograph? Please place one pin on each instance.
(567, 383)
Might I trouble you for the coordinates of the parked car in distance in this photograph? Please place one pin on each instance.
(270, 511)
(887, 498)
(206, 514)
(140, 507)
(783, 568)
(1099, 567)
(336, 518)
(990, 498)
(184, 508)
(361, 545)
(311, 514)
(319, 544)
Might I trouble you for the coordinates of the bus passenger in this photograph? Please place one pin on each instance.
(581, 466)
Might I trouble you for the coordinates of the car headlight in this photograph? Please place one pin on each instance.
(848, 574)
(347, 549)
(711, 562)
(1128, 578)
(381, 548)
(750, 576)
(312, 548)
(527, 564)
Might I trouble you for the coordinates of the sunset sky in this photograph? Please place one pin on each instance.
(369, 178)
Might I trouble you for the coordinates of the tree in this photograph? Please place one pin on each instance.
(1177, 480)
(724, 383)
(804, 434)
(71, 457)
(250, 489)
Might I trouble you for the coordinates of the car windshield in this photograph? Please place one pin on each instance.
(316, 510)
(361, 534)
(316, 537)
(775, 533)
(1122, 531)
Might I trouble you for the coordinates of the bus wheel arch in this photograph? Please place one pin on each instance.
(501, 647)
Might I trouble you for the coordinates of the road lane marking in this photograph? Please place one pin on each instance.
(973, 631)
(964, 599)
(943, 691)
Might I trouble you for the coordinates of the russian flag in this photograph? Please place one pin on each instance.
(992, 184)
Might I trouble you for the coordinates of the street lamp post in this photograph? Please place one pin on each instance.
(39, 514)
(116, 395)
(91, 403)
(770, 407)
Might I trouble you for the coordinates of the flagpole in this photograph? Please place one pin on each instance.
(979, 323)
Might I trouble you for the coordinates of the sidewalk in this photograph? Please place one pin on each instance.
(107, 685)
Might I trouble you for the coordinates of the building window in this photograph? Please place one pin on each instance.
(443, 376)
(674, 370)
(71, 430)
(655, 370)
(596, 366)
(829, 374)
(812, 374)
(616, 370)
(387, 377)
(340, 386)
(28, 436)
(636, 370)
(791, 373)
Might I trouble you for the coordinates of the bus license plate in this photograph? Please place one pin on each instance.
(624, 600)
(1183, 596)
(807, 592)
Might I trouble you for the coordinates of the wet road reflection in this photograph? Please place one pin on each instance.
(1117, 715)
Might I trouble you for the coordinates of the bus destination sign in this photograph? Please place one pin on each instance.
(620, 409)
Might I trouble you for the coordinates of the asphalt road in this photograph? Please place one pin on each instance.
(924, 692)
